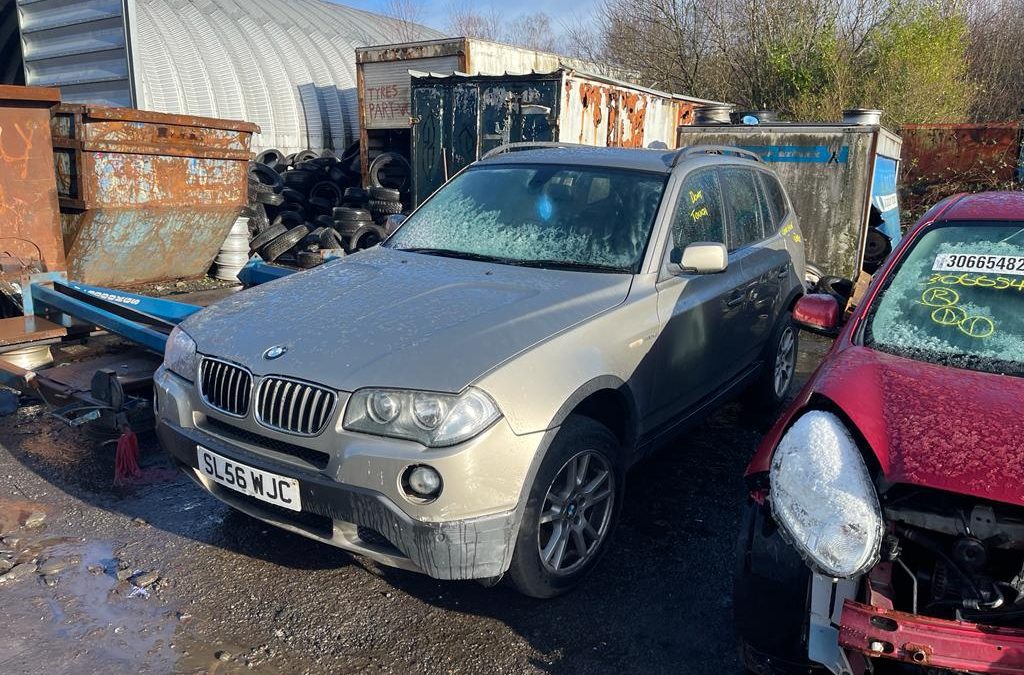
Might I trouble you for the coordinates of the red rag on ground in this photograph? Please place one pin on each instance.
(126, 461)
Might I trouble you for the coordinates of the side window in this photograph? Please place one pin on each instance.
(742, 206)
(698, 215)
(776, 198)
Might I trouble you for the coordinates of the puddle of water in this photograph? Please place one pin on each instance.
(13, 512)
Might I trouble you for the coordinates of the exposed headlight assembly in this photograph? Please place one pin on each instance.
(435, 420)
(180, 354)
(823, 498)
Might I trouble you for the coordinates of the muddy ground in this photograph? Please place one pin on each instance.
(233, 595)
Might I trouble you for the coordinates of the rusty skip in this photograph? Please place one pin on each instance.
(933, 152)
(146, 196)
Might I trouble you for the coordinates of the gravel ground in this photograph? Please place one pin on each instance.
(233, 595)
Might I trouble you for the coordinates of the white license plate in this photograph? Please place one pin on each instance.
(262, 485)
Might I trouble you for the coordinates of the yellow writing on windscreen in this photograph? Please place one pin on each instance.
(947, 312)
(978, 281)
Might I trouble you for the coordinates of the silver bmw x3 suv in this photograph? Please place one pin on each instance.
(464, 399)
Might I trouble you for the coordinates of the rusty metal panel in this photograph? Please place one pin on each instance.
(150, 196)
(29, 215)
(938, 152)
(598, 112)
(827, 172)
(132, 246)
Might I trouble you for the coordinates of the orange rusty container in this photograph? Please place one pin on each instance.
(146, 196)
(30, 236)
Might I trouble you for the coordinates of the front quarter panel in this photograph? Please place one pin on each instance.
(533, 388)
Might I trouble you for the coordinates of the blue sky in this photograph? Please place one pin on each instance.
(435, 11)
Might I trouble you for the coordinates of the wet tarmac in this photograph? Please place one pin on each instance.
(159, 577)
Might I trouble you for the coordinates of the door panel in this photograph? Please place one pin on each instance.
(700, 313)
(428, 161)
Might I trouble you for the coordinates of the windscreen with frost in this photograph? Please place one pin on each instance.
(957, 299)
(527, 213)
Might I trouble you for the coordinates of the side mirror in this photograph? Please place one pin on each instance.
(704, 257)
(817, 313)
(393, 222)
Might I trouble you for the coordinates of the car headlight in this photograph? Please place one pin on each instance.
(180, 354)
(435, 420)
(823, 498)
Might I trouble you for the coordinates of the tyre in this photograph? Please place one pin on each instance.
(571, 510)
(770, 391)
(257, 215)
(293, 195)
(383, 194)
(351, 214)
(365, 237)
(289, 219)
(319, 205)
(313, 238)
(282, 244)
(771, 595)
(308, 259)
(304, 156)
(384, 208)
(267, 236)
(812, 275)
(269, 198)
(391, 170)
(356, 193)
(325, 189)
(301, 179)
(330, 238)
(877, 248)
(270, 157)
(324, 221)
(839, 288)
(265, 175)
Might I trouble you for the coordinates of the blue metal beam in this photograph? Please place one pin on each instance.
(257, 272)
(168, 310)
(147, 337)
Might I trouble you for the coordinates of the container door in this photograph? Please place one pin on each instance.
(537, 109)
(428, 160)
(465, 125)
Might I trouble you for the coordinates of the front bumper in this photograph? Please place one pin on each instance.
(925, 641)
(358, 519)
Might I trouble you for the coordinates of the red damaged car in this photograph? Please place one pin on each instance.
(885, 526)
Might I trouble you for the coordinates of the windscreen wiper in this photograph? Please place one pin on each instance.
(448, 253)
(572, 265)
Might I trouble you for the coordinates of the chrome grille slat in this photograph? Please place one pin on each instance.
(225, 386)
(293, 406)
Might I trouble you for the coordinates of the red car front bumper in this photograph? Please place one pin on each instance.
(939, 643)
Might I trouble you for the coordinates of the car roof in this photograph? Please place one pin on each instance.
(640, 159)
(659, 161)
(986, 206)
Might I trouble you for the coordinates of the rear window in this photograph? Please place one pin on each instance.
(957, 299)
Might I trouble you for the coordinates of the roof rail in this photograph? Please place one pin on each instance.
(683, 153)
(530, 145)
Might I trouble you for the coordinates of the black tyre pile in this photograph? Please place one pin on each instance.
(305, 205)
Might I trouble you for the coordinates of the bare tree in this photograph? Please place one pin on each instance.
(533, 31)
(467, 20)
(408, 14)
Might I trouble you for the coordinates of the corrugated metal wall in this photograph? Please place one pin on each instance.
(287, 65)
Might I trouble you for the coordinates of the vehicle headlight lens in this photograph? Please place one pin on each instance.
(823, 498)
(382, 406)
(180, 354)
(435, 420)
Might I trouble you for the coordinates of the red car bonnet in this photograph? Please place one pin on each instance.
(929, 425)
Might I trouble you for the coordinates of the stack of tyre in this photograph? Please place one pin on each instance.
(308, 207)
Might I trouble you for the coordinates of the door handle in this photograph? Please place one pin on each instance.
(736, 300)
(783, 274)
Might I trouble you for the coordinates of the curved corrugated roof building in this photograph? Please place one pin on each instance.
(287, 65)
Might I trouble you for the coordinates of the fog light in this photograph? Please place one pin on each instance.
(422, 481)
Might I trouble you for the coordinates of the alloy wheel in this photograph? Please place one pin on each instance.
(576, 513)
(785, 361)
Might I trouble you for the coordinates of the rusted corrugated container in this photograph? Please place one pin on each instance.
(146, 196)
(938, 152)
(458, 118)
(841, 179)
(385, 89)
(29, 219)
